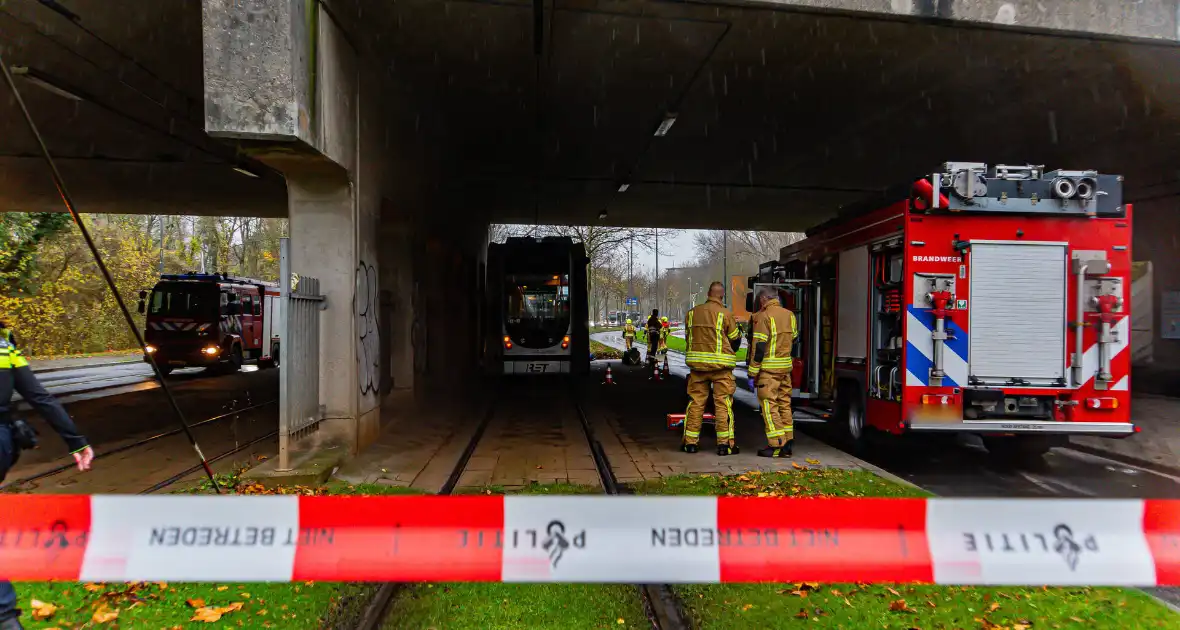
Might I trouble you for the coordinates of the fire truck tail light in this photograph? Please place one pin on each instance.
(211, 350)
(150, 349)
(1102, 403)
(565, 342)
(938, 399)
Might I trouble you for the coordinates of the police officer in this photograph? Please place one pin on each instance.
(15, 373)
(770, 371)
(711, 343)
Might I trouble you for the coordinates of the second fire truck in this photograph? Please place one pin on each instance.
(211, 320)
(986, 300)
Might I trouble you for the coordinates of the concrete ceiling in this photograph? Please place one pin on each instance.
(782, 116)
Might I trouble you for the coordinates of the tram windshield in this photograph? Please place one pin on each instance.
(537, 309)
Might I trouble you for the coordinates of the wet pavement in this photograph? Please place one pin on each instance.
(960, 467)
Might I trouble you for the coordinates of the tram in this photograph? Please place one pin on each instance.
(538, 308)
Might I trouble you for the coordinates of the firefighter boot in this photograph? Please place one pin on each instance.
(688, 448)
(777, 451)
(726, 449)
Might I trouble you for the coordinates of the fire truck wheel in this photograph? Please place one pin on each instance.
(850, 416)
(1019, 448)
(165, 369)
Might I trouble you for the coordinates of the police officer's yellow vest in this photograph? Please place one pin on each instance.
(10, 357)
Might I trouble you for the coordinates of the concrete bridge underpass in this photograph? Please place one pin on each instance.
(393, 133)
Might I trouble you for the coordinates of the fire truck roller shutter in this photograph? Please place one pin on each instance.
(852, 304)
(1017, 312)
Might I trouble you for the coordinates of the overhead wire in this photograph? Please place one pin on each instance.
(62, 191)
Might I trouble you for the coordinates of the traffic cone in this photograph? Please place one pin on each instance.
(655, 371)
(609, 379)
(666, 371)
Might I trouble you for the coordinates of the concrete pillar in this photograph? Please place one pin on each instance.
(324, 132)
(323, 245)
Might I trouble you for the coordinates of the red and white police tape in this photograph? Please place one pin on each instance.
(589, 539)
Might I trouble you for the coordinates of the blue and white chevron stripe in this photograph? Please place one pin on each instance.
(919, 356)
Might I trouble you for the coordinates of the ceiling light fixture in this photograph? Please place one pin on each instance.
(44, 81)
(662, 130)
(624, 187)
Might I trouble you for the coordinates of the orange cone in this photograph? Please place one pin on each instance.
(655, 371)
(666, 371)
(609, 379)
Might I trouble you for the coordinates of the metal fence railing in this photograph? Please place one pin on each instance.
(300, 411)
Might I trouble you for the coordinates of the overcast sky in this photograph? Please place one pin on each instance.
(676, 251)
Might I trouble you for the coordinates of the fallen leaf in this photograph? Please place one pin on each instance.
(1020, 626)
(94, 588)
(930, 604)
(802, 614)
(747, 607)
(620, 621)
(262, 613)
(796, 466)
(799, 593)
(763, 494)
(743, 478)
(993, 607)
(384, 470)
(246, 595)
(103, 615)
(195, 602)
(836, 593)
(812, 461)
(210, 614)
(1074, 618)
(223, 588)
(42, 610)
(847, 603)
(892, 591)
(899, 605)
(811, 586)
(750, 486)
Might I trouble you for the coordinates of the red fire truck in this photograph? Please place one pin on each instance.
(981, 300)
(211, 320)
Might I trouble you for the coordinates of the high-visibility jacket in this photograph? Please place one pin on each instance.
(711, 337)
(10, 357)
(775, 327)
(664, 338)
(629, 330)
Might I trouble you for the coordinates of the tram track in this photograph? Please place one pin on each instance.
(662, 606)
(145, 442)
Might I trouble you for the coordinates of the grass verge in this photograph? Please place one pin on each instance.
(293, 606)
(478, 606)
(902, 606)
(603, 351)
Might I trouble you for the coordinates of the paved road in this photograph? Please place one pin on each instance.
(89, 382)
(960, 467)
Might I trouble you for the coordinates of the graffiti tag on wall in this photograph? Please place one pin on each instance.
(368, 335)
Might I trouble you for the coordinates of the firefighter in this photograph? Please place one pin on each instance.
(15, 373)
(770, 371)
(629, 334)
(653, 335)
(664, 330)
(711, 343)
